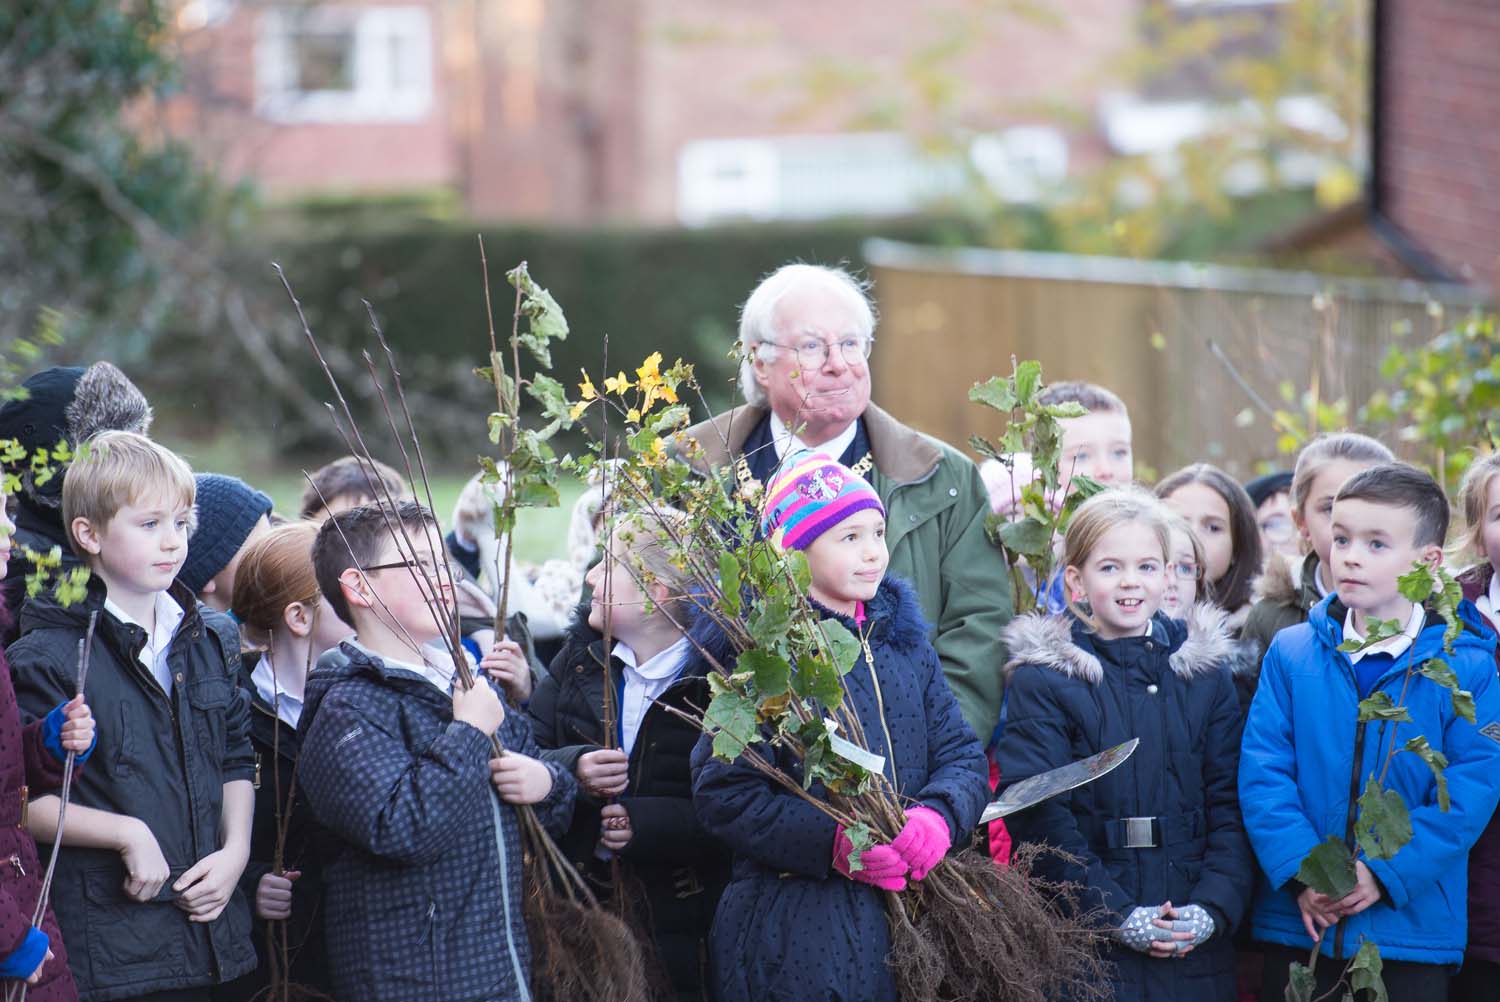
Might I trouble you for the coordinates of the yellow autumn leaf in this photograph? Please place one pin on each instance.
(651, 367)
(633, 415)
(587, 387)
(577, 409)
(617, 384)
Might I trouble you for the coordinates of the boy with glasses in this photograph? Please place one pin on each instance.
(424, 898)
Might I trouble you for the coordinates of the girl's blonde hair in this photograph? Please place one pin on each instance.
(1103, 512)
(1330, 448)
(653, 541)
(276, 571)
(1471, 499)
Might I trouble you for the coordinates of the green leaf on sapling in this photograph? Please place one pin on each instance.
(1383, 825)
(1028, 381)
(1030, 537)
(1436, 761)
(843, 646)
(1300, 983)
(771, 671)
(997, 392)
(860, 838)
(729, 582)
(1416, 585)
(554, 399)
(731, 720)
(1365, 974)
(1329, 868)
(1379, 706)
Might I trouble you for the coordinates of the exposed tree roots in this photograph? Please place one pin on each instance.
(579, 950)
(975, 931)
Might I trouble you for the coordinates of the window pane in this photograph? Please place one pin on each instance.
(324, 60)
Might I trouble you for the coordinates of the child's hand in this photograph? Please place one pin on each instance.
(35, 976)
(604, 773)
(145, 867)
(615, 832)
(1318, 912)
(273, 896)
(506, 664)
(78, 726)
(520, 779)
(1366, 892)
(478, 706)
(1190, 925)
(205, 889)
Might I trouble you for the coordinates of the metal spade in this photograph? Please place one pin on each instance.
(1019, 796)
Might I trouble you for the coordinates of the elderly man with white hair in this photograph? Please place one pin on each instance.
(805, 334)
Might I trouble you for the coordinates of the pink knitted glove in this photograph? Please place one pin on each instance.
(924, 840)
(880, 865)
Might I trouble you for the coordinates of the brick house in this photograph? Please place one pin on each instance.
(1431, 207)
(668, 111)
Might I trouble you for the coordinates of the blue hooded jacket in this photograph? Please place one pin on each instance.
(1305, 760)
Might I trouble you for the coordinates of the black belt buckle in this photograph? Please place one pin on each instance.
(1140, 833)
(686, 883)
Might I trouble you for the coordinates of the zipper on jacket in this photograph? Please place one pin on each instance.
(522, 985)
(1354, 774)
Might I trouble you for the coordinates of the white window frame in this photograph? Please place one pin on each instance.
(374, 96)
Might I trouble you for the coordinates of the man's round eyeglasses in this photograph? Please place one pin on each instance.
(812, 352)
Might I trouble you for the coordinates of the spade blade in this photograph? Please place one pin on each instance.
(1019, 796)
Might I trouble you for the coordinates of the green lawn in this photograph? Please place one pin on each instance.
(541, 533)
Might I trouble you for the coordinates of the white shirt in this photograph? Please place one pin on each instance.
(436, 669)
(643, 683)
(1489, 602)
(785, 442)
(1394, 646)
(273, 693)
(1318, 580)
(169, 617)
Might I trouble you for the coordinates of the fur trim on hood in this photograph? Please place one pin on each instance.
(1048, 641)
(1280, 581)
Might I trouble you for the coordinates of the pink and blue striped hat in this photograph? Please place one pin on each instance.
(810, 495)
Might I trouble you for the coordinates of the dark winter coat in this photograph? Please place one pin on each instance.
(423, 896)
(681, 868)
(789, 926)
(1305, 757)
(276, 745)
(1284, 595)
(1484, 858)
(27, 769)
(1071, 694)
(162, 758)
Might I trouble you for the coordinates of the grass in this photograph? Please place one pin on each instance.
(541, 533)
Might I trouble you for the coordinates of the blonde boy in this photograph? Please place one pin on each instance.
(159, 829)
(396, 761)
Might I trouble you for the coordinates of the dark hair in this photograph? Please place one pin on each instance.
(349, 477)
(356, 538)
(1090, 396)
(1401, 485)
(1232, 590)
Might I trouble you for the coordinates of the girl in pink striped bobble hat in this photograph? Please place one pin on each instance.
(832, 514)
(799, 921)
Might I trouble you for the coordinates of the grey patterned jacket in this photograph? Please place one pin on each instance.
(424, 897)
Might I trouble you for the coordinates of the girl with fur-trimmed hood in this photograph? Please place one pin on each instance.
(1158, 844)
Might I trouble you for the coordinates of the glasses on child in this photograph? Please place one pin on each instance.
(1186, 570)
(812, 352)
(441, 571)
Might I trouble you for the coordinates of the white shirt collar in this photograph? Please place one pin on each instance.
(644, 683)
(169, 616)
(273, 693)
(1489, 602)
(1318, 580)
(784, 441)
(436, 668)
(1394, 646)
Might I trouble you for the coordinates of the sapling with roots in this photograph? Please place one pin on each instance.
(1381, 826)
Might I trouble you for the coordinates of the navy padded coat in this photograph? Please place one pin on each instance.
(789, 926)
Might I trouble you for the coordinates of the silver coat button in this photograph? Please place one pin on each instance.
(953, 492)
(1151, 688)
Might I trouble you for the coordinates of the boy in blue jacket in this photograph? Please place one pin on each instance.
(425, 891)
(1305, 758)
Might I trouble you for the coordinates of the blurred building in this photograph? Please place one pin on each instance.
(1431, 208)
(680, 111)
